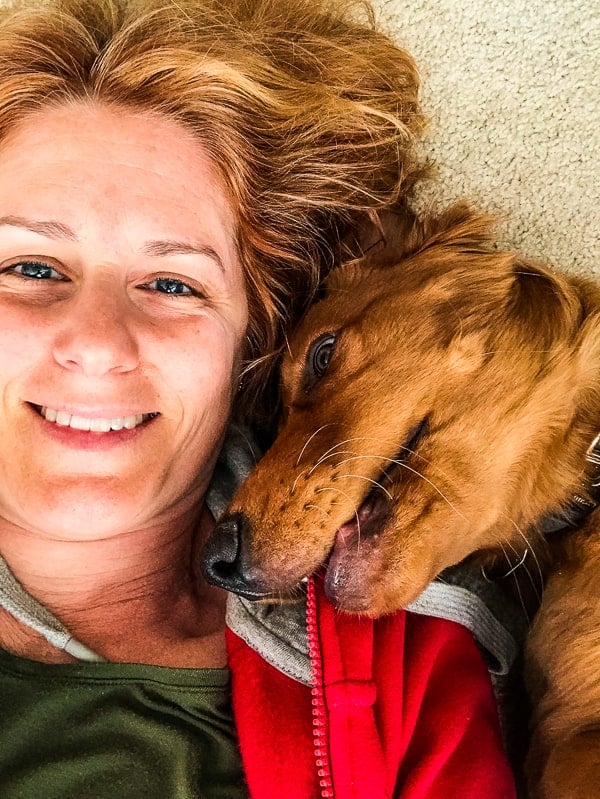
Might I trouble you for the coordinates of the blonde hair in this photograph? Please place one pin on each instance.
(308, 112)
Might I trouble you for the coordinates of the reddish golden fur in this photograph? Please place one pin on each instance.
(563, 660)
(502, 357)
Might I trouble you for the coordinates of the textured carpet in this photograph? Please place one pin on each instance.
(512, 91)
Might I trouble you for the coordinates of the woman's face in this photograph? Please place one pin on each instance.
(122, 314)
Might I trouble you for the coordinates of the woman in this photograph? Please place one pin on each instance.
(173, 181)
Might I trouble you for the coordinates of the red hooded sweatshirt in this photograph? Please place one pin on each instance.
(400, 707)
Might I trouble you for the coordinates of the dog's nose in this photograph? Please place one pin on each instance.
(223, 561)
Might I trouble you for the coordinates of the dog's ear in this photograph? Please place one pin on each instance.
(548, 306)
(459, 228)
(380, 238)
(384, 238)
(559, 315)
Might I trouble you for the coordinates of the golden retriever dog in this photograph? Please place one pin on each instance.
(442, 399)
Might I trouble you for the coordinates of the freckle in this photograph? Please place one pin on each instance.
(296, 523)
(282, 508)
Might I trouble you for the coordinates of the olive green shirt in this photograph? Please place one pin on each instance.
(107, 730)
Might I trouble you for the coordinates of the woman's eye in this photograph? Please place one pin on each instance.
(36, 270)
(170, 285)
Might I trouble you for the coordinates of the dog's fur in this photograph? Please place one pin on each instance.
(563, 674)
(466, 383)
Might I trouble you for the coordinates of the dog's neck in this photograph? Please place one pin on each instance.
(582, 502)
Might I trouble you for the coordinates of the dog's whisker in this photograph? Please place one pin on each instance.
(535, 588)
(317, 507)
(432, 484)
(517, 565)
(354, 458)
(368, 479)
(362, 457)
(517, 584)
(410, 469)
(334, 447)
(508, 560)
(413, 452)
(378, 440)
(514, 349)
(326, 457)
(333, 451)
(287, 345)
(521, 563)
(249, 443)
(529, 546)
(295, 483)
(310, 438)
(343, 493)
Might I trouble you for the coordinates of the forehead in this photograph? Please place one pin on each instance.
(119, 164)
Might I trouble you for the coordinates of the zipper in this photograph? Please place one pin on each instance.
(319, 710)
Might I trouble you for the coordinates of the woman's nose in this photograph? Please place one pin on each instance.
(95, 336)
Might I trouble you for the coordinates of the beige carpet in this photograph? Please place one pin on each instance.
(512, 88)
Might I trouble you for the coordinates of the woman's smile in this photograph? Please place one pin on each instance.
(95, 424)
(91, 431)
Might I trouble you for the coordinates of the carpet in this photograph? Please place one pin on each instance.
(512, 91)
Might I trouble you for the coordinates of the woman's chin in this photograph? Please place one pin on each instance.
(85, 509)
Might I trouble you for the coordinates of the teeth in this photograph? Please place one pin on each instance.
(94, 425)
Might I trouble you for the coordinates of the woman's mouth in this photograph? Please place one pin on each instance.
(95, 424)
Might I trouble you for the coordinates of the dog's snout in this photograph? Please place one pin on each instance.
(223, 561)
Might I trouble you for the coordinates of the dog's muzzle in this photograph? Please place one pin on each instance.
(224, 562)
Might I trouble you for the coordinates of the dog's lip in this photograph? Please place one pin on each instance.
(362, 529)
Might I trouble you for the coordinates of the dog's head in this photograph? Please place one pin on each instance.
(435, 404)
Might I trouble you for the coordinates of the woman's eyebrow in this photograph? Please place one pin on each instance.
(164, 247)
(159, 247)
(48, 228)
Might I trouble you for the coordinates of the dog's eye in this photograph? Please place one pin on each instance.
(319, 355)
